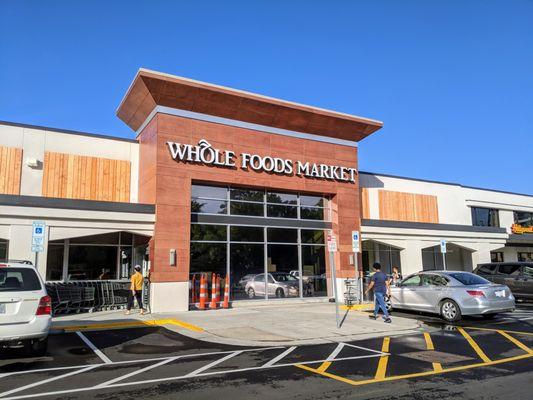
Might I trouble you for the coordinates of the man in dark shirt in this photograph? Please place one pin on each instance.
(381, 284)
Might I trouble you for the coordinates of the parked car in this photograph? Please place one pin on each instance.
(280, 284)
(451, 294)
(244, 280)
(25, 309)
(518, 276)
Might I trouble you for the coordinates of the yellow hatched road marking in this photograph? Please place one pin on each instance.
(325, 365)
(474, 345)
(415, 375)
(429, 345)
(383, 360)
(516, 342)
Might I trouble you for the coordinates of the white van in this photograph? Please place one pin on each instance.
(25, 309)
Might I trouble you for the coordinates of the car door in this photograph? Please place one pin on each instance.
(404, 295)
(271, 285)
(509, 275)
(527, 281)
(259, 285)
(431, 291)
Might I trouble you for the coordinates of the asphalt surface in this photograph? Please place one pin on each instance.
(476, 359)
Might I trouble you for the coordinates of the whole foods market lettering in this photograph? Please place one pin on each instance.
(204, 153)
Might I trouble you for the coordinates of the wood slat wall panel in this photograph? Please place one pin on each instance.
(89, 178)
(365, 204)
(10, 170)
(411, 207)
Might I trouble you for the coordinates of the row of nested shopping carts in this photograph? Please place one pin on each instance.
(87, 296)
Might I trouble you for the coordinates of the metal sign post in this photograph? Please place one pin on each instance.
(332, 248)
(37, 239)
(359, 279)
(443, 251)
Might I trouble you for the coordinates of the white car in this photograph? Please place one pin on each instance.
(25, 309)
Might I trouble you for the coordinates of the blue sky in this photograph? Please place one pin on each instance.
(452, 79)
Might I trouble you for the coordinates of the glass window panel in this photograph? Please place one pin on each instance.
(209, 206)
(54, 263)
(282, 264)
(3, 249)
(126, 238)
(246, 234)
(252, 209)
(281, 211)
(315, 201)
(496, 256)
(485, 217)
(247, 261)
(208, 258)
(247, 195)
(208, 232)
(312, 236)
(91, 262)
(282, 235)
(212, 192)
(282, 198)
(523, 218)
(314, 271)
(312, 213)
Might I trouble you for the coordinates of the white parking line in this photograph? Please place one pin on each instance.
(55, 378)
(335, 352)
(206, 367)
(197, 373)
(279, 357)
(139, 371)
(102, 356)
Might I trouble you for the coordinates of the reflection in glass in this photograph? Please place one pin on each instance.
(54, 262)
(92, 262)
(282, 198)
(246, 260)
(211, 192)
(252, 209)
(209, 206)
(312, 236)
(282, 265)
(208, 232)
(246, 195)
(314, 201)
(523, 218)
(280, 211)
(314, 271)
(208, 257)
(246, 234)
(282, 235)
(312, 213)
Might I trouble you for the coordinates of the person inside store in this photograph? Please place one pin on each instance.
(380, 282)
(396, 277)
(135, 290)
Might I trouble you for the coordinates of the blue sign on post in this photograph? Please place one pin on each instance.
(37, 236)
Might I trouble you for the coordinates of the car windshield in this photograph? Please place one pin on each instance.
(284, 277)
(18, 280)
(466, 278)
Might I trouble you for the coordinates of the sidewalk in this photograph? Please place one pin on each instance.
(281, 324)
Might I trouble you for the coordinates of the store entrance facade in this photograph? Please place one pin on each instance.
(244, 186)
(269, 244)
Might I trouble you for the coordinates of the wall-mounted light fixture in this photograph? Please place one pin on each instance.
(32, 162)
(172, 257)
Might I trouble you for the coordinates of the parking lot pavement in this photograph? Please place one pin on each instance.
(156, 362)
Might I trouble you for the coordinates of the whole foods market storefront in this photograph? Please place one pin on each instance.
(244, 186)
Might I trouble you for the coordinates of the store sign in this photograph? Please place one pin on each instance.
(204, 153)
(520, 230)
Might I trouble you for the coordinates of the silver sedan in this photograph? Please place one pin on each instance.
(451, 294)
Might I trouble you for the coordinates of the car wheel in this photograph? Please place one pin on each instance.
(37, 348)
(450, 311)
(280, 293)
(489, 316)
(251, 293)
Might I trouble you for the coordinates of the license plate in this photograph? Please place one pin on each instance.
(2, 308)
(500, 293)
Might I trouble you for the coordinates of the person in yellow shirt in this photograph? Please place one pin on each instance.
(136, 290)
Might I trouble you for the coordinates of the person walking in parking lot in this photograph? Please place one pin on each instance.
(136, 290)
(381, 284)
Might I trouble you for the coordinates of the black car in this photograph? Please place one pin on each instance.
(518, 276)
